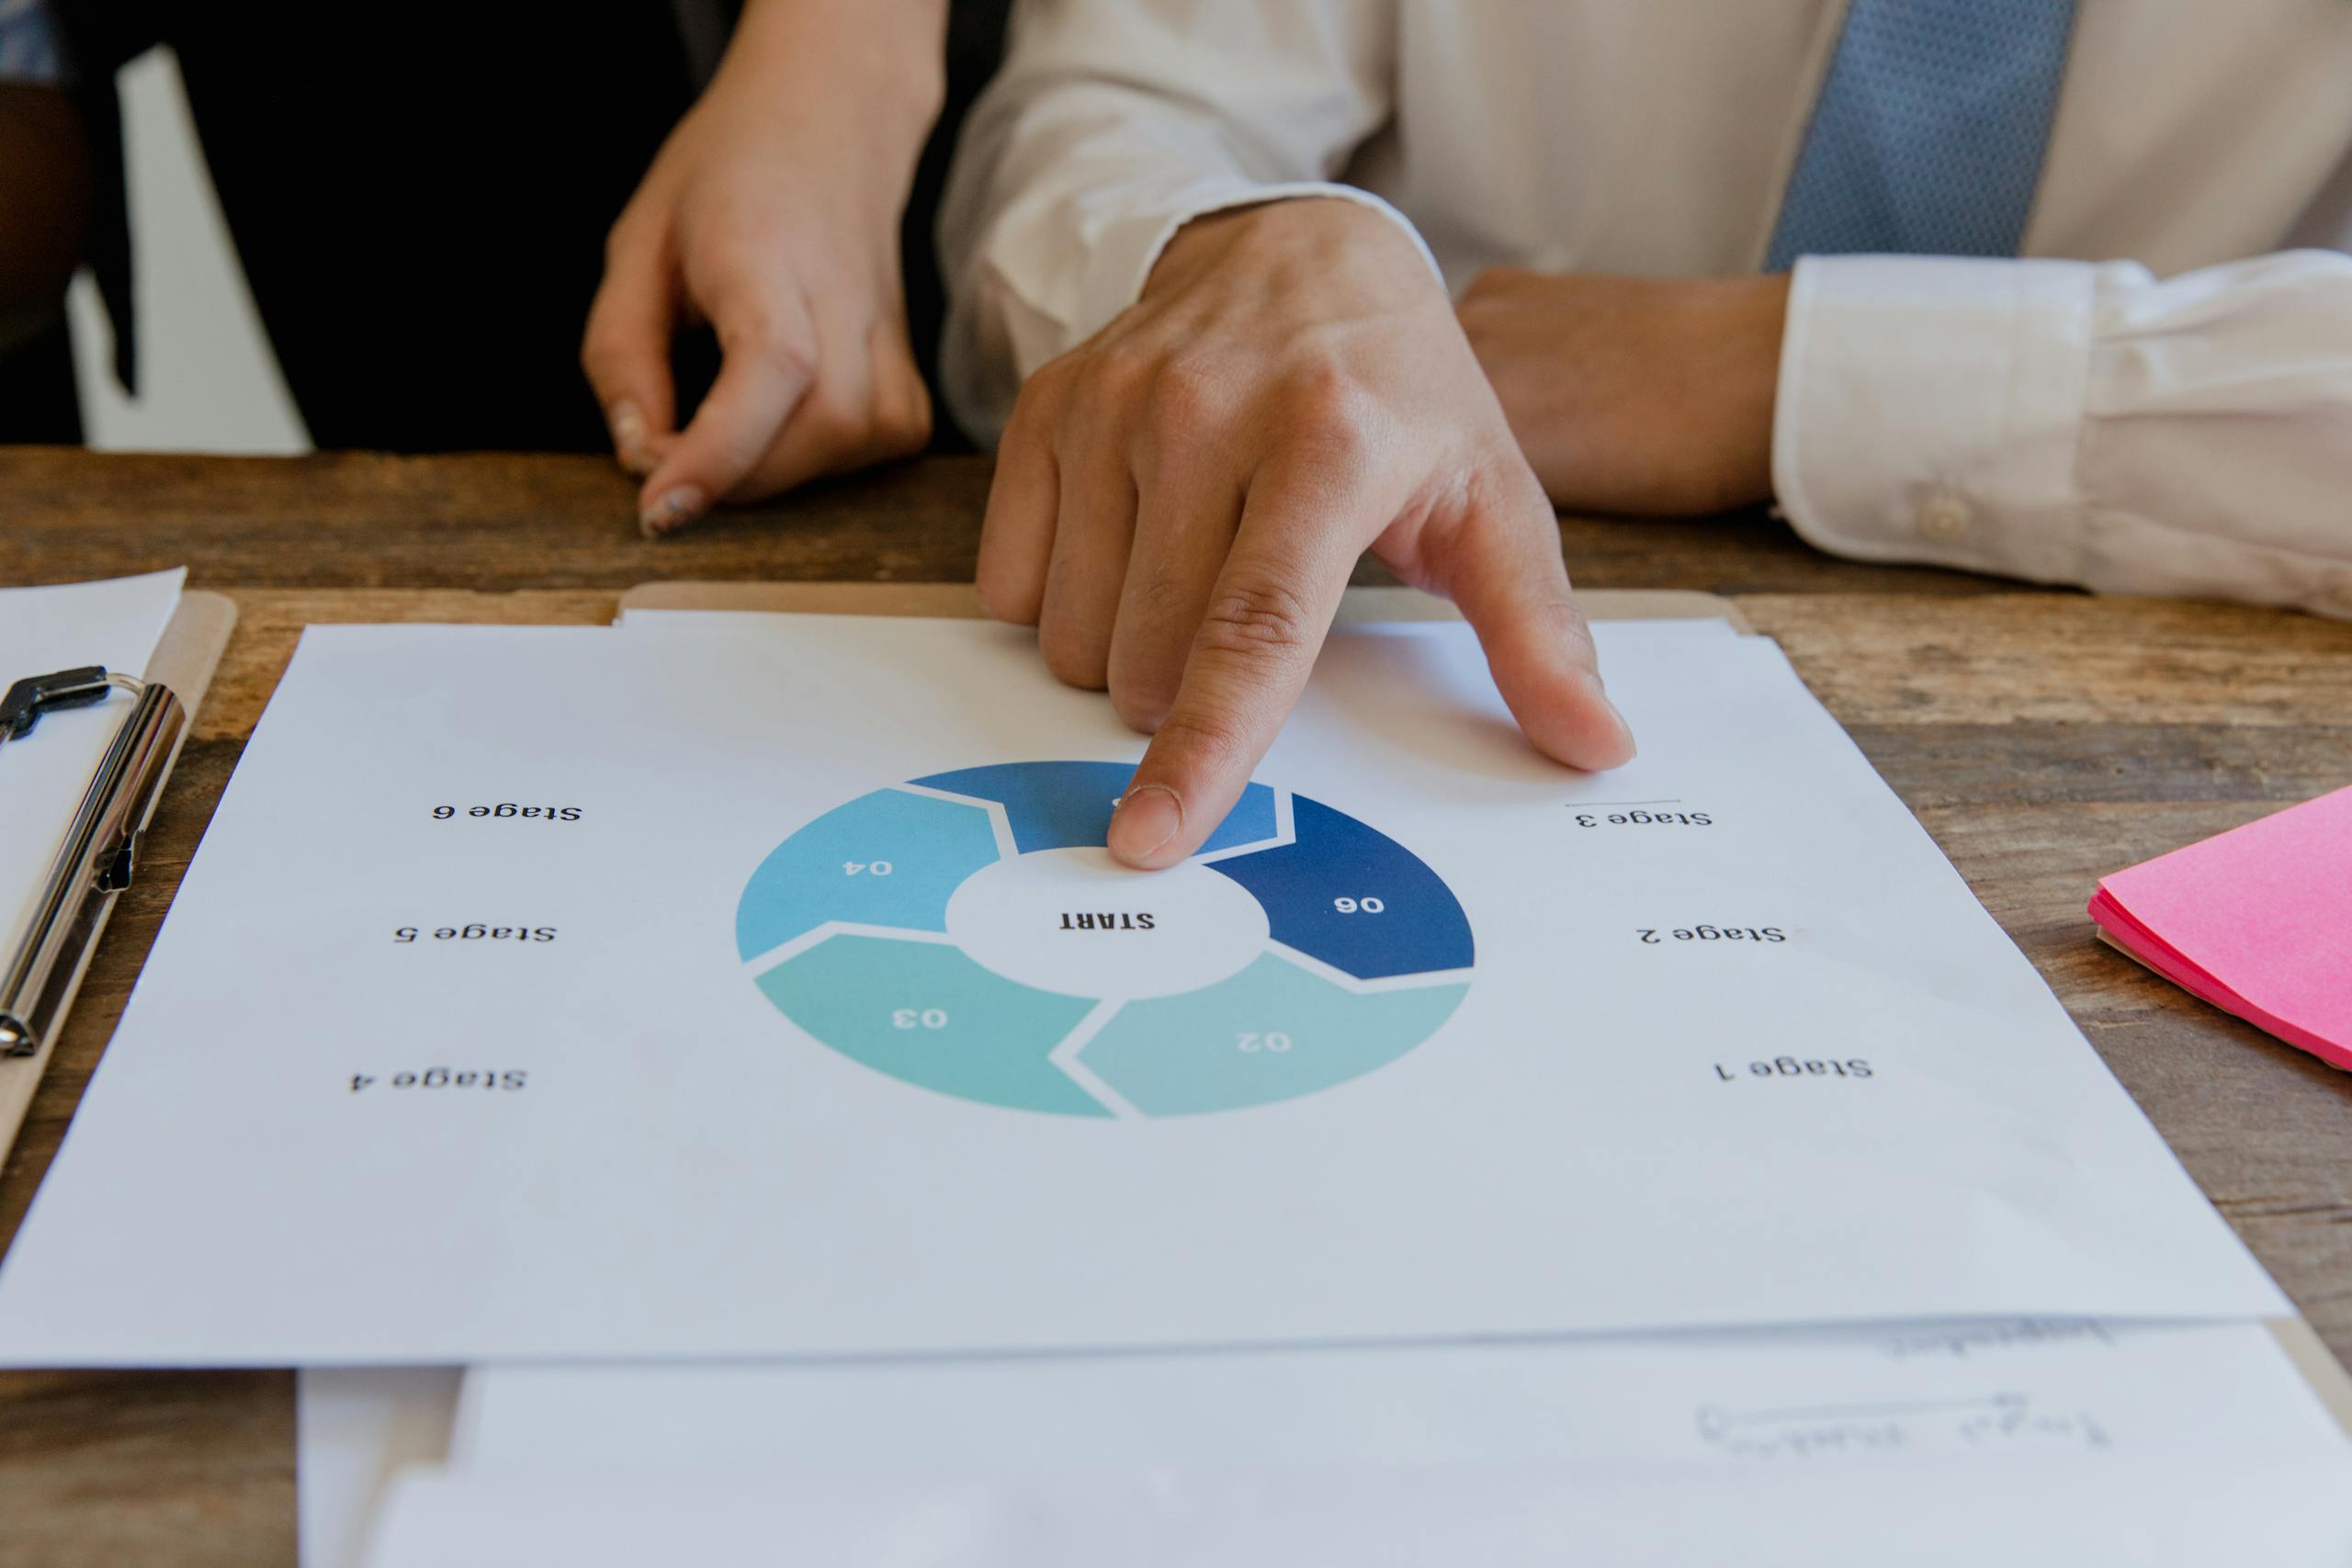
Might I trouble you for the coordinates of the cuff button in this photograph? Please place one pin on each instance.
(1945, 520)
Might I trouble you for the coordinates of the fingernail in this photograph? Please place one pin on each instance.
(673, 510)
(1624, 732)
(1625, 746)
(1146, 819)
(629, 436)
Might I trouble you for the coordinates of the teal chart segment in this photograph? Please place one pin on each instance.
(966, 933)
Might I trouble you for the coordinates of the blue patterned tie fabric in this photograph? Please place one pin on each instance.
(1928, 136)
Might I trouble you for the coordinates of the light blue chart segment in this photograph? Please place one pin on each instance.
(909, 851)
(925, 1013)
(1274, 1032)
(1066, 805)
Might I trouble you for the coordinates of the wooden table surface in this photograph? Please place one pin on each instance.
(2044, 737)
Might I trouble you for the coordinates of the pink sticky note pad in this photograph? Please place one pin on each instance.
(2256, 920)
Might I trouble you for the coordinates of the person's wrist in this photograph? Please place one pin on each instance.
(1764, 314)
(879, 65)
(1321, 243)
(840, 128)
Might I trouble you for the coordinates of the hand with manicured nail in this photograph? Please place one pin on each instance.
(772, 214)
(1179, 503)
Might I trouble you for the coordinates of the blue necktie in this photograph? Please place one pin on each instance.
(1928, 136)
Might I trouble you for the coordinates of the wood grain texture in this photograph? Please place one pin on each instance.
(498, 523)
(2044, 738)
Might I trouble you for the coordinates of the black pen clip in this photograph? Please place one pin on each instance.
(37, 695)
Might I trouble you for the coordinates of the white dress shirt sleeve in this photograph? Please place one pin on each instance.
(1111, 126)
(2078, 423)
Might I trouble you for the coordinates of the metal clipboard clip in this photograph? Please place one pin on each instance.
(100, 849)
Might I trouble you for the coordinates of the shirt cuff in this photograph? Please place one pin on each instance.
(1929, 408)
(1129, 246)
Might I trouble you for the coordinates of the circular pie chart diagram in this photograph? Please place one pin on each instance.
(967, 932)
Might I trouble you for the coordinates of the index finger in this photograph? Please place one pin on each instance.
(1267, 619)
(768, 364)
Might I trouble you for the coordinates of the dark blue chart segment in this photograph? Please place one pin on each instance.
(1066, 805)
(1353, 899)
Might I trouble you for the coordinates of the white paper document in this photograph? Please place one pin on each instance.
(42, 776)
(2036, 1441)
(1775, 1400)
(2022, 1513)
(758, 988)
(354, 1429)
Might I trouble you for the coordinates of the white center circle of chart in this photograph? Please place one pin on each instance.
(967, 932)
(1076, 921)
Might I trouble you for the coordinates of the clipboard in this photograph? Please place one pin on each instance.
(184, 661)
(2326, 1378)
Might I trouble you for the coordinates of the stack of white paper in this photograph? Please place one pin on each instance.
(750, 989)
